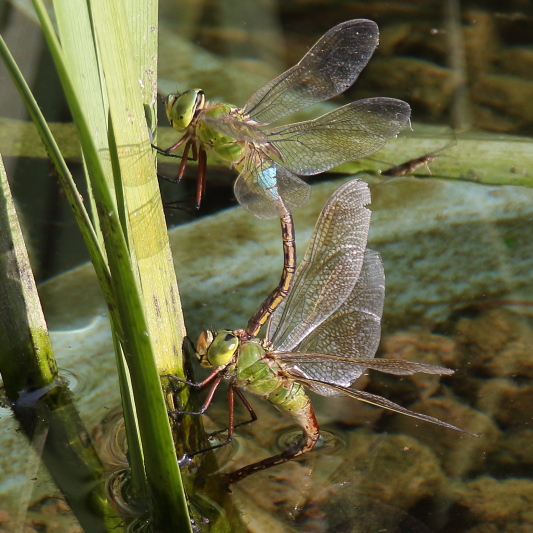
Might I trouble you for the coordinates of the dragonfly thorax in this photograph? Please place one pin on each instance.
(216, 348)
(183, 108)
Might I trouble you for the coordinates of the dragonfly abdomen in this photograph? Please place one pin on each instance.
(260, 375)
(284, 393)
(290, 396)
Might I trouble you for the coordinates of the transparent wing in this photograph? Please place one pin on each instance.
(267, 190)
(352, 331)
(350, 132)
(328, 69)
(329, 270)
(309, 365)
(398, 367)
(378, 401)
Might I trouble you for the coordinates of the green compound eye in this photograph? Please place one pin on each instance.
(181, 108)
(222, 349)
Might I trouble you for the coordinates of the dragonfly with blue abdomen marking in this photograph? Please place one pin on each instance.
(269, 160)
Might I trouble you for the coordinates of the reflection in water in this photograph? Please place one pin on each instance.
(110, 441)
(341, 508)
(118, 490)
(76, 383)
(328, 442)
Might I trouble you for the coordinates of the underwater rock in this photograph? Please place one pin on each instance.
(508, 402)
(460, 454)
(518, 61)
(395, 469)
(513, 454)
(50, 514)
(481, 42)
(504, 95)
(498, 343)
(343, 508)
(431, 87)
(506, 505)
(449, 241)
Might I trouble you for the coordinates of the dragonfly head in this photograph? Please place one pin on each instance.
(216, 348)
(183, 108)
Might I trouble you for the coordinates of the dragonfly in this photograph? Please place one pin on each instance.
(269, 160)
(321, 337)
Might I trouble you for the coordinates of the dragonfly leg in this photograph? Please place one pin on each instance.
(308, 422)
(206, 404)
(202, 168)
(231, 427)
(184, 159)
(214, 376)
(280, 292)
(253, 416)
(197, 384)
(164, 152)
(181, 172)
(168, 151)
(198, 154)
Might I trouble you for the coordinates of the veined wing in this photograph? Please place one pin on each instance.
(232, 127)
(397, 367)
(329, 270)
(378, 401)
(309, 365)
(352, 331)
(328, 69)
(267, 190)
(350, 132)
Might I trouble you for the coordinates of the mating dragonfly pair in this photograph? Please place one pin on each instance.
(324, 326)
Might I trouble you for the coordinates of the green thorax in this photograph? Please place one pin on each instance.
(225, 147)
(258, 372)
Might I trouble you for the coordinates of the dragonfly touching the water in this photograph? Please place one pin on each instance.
(269, 159)
(322, 336)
